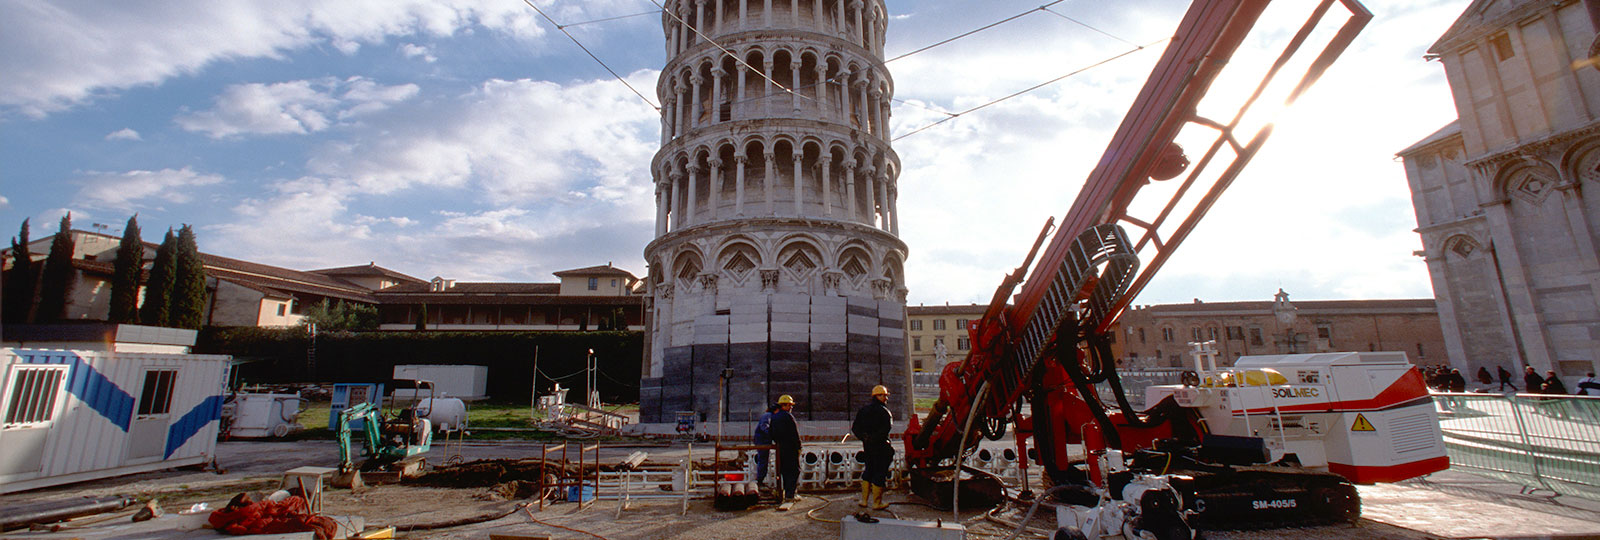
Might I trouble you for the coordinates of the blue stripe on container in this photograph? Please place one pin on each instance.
(90, 386)
(200, 416)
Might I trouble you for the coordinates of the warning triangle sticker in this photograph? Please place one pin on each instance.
(1361, 424)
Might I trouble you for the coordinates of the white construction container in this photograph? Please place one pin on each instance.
(254, 416)
(469, 383)
(73, 415)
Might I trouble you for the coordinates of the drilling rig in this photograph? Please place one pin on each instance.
(1187, 462)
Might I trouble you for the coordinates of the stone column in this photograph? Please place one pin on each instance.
(716, 186)
(844, 98)
(824, 166)
(861, 99)
(699, 17)
(794, 84)
(767, 175)
(855, 8)
(696, 107)
(677, 110)
(838, 21)
(738, 93)
(820, 91)
(883, 201)
(674, 218)
(894, 211)
(694, 189)
(850, 189)
(766, 14)
(872, 198)
(661, 209)
(743, 16)
(766, 86)
(876, 126)
(716, 93)
(738, 188)
(799, 183)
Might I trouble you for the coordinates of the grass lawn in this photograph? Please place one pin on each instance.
(483, 414)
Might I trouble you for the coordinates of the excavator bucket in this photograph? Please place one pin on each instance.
(349, 480)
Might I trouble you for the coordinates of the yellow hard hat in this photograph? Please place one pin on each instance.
(880, 390)
(785, 400)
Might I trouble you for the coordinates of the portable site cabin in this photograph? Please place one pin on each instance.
(74, 414)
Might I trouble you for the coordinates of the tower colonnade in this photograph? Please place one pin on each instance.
(777, 252)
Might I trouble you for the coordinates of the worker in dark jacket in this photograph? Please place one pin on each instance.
(872, 427)
(786, 434)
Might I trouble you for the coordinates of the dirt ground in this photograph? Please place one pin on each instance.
(1443, 500)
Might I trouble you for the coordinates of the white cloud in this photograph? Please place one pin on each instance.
(294, 107)
(514, 141)
(412, 50)
(124, 134)
(129, 190)
(63, 54)
(514, 180)
(4, 202)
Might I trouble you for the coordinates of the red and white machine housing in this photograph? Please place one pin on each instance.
(1366, 416)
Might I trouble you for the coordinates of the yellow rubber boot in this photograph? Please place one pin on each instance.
(877, 498)
(866, 491)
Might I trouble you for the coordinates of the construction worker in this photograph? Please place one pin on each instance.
(786, 434)
(872, 427)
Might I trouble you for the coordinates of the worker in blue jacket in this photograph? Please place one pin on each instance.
(763, 436)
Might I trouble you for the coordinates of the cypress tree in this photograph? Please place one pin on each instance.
(158, 289)
(19, 280)
(125, 276)
(188, 284)
(56, 283)
(422, 318)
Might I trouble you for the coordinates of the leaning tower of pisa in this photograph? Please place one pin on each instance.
(776, 256)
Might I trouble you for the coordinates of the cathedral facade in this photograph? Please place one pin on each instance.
(1508, 197)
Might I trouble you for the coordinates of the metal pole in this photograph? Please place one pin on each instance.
(533, 401)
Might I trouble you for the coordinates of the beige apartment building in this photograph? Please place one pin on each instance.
(936, 335)
(244, 293)
(1158, 336)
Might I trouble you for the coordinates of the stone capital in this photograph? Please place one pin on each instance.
(741, 159)
(769, 279)
(716, 163)
(695, 168)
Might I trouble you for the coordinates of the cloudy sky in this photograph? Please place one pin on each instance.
(473, 140)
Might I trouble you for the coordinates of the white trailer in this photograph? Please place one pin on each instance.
(73, 415)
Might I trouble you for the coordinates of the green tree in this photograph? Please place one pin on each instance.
(188, 284)
(158, 287)
(422, 318)
(341, 316)
(55, 287)
(125, 275)
(19, 280)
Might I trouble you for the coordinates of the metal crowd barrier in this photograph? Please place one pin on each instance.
(1549, 442)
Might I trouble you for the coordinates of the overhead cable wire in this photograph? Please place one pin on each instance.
(1086, 25)
(608, 19)
(1029, 89)
(591, 54)
(976, 30)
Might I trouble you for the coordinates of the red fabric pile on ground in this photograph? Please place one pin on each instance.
(245, 516)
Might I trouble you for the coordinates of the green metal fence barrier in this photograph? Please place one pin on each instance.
(1540, 441)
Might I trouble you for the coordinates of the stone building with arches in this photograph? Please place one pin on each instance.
(1508, 196)
(777, 254)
